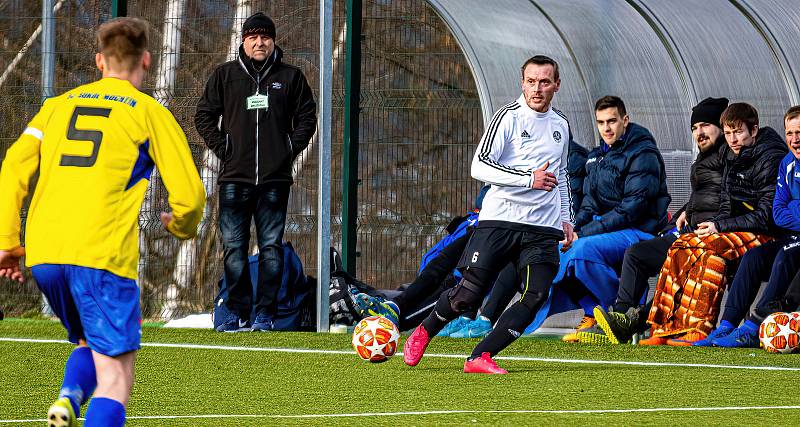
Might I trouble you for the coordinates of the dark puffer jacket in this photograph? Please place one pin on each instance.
(576, 172)
(748, 188)
(706, 180)
(625, 186)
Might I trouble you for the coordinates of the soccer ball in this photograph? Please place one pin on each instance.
(794, 321)
(778, 332)
(375, 338)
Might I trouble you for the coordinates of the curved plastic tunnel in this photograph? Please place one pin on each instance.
(660, 57)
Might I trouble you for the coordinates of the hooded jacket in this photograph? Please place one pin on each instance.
(748, 185)
(256, 145)
(625, 186)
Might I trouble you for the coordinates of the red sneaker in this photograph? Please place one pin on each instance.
(483, 365)
(415, 346)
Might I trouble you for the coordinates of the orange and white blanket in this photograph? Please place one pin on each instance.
(693, 280)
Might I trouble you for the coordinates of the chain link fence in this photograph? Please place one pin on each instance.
(420, 122)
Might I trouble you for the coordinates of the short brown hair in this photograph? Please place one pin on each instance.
(541, 60)
(791, 113)
(740, 113)
(124, 40)
(611, 101)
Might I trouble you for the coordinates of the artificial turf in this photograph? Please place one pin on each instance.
(221, 382)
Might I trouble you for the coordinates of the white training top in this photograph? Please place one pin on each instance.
(518, 141)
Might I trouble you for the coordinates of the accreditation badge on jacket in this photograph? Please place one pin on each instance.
(257, 102)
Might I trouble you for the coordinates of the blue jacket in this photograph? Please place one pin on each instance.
(576, 171)
(625, 186)
(786, 207)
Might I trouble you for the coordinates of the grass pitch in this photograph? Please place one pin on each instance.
(212, 379)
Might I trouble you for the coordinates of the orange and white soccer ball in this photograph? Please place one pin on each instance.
(779, 332)
(794, 321)
(375, 338)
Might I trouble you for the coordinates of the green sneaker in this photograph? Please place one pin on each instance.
(593, 335)
(367, 305)
(618, 327)
(61, 414)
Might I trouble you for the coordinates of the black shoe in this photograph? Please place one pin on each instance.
(341, 299)
(638, 316)
(619, 327)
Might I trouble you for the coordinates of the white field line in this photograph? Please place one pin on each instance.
(472, 412)
(450, 356)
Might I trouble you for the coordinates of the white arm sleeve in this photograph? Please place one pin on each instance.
(485, 164)
(563, 187)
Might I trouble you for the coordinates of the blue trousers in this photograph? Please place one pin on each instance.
(776, 262)
(592, 265)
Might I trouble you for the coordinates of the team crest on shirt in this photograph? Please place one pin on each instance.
(557, 136)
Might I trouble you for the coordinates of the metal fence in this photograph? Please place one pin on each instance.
(420, 122)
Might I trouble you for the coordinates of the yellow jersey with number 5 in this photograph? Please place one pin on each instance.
(95, 148)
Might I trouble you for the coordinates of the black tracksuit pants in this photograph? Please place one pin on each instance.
(642, 261)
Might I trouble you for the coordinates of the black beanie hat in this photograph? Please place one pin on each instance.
(259, 24)
(709, 110)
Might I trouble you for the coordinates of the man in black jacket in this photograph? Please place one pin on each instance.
(689, 290)
(268, 117)
(777, 262)
(644, 259)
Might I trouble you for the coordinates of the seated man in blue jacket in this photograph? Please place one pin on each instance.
(644, 260)
(625, 202)
(776, 261)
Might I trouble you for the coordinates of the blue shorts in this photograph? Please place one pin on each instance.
(94, 305)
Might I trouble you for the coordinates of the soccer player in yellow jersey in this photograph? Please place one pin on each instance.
(95, 147)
